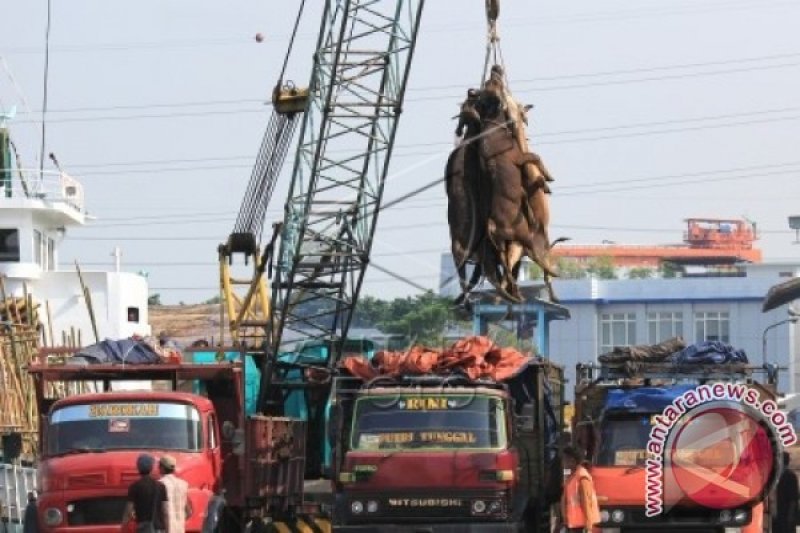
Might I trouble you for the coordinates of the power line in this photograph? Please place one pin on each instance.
(537, 143)
(428, 88)
(580, 188)
(610, 15)
(529, 90)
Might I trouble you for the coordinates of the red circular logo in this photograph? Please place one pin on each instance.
(722, 457)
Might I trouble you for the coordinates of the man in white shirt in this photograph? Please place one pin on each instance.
(180, 508)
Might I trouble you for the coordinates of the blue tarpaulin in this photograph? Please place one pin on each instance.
(644, 399)
(129, 351)
(711, 352)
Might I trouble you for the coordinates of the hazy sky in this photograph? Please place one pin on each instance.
(646, 113)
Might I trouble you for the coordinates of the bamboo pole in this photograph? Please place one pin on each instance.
(87, 296)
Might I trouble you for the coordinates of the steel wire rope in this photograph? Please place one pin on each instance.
(274, 149)
(425, 88)
(199, 114)
(411, 145)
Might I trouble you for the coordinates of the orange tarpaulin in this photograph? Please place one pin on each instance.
(477, 357)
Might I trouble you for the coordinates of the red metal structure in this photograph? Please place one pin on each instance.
(707, 241)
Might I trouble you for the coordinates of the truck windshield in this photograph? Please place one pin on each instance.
(623, 441)
(443, 421)
(123, 425)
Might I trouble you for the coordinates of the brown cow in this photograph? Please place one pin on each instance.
(519, 211)
(466, 215)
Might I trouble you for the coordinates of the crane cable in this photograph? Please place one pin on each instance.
(291, 41)
(494, 53)
(271, 156)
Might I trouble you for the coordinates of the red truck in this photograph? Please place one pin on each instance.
(240, 468)
(615, 407)
(446, 454)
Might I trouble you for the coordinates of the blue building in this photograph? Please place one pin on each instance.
(618, 312)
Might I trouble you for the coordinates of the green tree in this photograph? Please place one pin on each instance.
(602, 267)
(214, 300)
(669, 270)
(154, 299)
(422, 317)
(568, 268)
(641, 273)
(370, 312)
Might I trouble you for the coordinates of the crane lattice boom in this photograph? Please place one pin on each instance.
(355, 98)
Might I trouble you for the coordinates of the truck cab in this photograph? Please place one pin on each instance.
(614, 414)
(90, 446)
(240, 467)
(422, 454)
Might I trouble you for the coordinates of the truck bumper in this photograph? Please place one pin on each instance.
(463, 527)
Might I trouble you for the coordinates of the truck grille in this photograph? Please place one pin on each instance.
(414, 507)
(96, 511)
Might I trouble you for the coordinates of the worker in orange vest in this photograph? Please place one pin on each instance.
(579, 509)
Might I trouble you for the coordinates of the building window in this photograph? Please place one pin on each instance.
(38, 246)
(9, 245)
(617, 329)
(133, 314)
(664, 325)
(713, 326)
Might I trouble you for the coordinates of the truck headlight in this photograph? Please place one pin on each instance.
(618, 516)
(357, 507)
(725, 516)
(604, 516)
(372, 506)
(53, 517)
(740, 516)
(478, 506)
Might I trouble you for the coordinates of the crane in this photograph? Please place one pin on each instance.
(354, 102)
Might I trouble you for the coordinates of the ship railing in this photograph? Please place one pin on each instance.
(51, 186)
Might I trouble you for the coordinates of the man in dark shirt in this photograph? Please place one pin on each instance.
(31, 520)
(786, 500)
(147, 499)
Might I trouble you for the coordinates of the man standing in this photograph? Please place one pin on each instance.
(786, 495)
(31, 520)
(579, 509)
(180, 508)
(147, 498)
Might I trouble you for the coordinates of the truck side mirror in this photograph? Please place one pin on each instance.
(12, 446)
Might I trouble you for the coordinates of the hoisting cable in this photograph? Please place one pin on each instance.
(291, 41)
(492, 38)
(272, 154)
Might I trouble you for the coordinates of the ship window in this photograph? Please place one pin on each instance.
(38, 246)
(133, 314)
(51, 254)
(9, 245)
